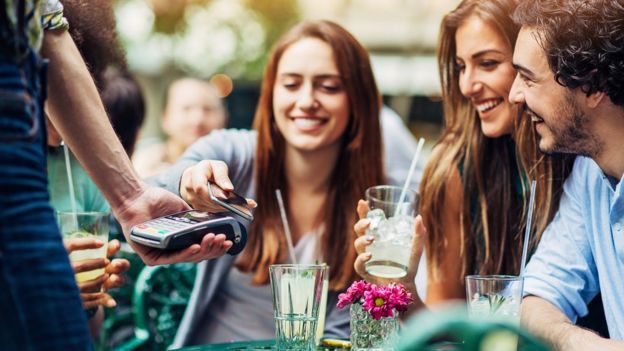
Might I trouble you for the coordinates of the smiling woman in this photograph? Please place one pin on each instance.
(474, 188)
(317, 139)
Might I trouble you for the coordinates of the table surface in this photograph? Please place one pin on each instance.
(270, 345)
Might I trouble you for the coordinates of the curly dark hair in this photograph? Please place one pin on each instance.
(583, 41)
(92, 26)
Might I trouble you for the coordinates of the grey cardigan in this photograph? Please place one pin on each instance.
(237, 149)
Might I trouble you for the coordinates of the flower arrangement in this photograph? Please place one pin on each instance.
(379, 301)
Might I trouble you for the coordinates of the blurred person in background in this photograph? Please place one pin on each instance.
(474, 188)
(192, 109)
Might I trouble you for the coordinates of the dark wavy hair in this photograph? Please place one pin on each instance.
(583, 41)
(92, 26)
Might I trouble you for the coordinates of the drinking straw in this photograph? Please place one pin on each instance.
(410, 173)
(70, 182)
(291, 248)
(527, 230)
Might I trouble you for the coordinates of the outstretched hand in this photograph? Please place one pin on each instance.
(155, 202)
(194, 185)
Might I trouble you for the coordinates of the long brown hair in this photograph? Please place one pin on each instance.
(493, 212)
(358, 166)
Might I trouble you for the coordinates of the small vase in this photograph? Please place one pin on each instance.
(370, 334)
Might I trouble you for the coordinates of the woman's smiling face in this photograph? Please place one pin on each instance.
(486, 73)
(310, 104)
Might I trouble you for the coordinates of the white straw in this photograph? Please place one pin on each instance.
(527, 230)
(291, 248)
(70, 183)
(410, 173)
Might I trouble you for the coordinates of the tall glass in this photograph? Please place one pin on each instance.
(320, 325)
(497, 297)
(297, 292)
(85, 225)
(392, 226)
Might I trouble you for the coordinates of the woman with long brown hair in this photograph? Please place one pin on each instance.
(474, 188)
(317, 138)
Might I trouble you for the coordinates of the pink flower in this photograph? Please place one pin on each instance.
(354, 293)
(399, 297)
(378, 302)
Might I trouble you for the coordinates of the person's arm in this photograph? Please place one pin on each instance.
(76, 111)
(562, 277)
(547, 321)
(449, 284)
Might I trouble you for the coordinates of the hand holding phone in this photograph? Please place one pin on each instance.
(230, 201)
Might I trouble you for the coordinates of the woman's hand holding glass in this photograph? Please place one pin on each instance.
(94, 292)
(364, 240)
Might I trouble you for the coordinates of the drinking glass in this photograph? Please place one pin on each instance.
(497, 297)
(75, 225)
(297, 293)
(392, 226)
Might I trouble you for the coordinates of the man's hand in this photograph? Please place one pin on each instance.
(155, 202)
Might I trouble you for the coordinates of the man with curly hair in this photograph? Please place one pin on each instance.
(570, 61)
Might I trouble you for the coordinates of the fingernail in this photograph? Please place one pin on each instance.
(370, 238)
(98, 242)
(369, 255)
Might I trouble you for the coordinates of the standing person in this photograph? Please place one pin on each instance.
(317, 139)
(474, 186)
(39, 300)
(192, 109)
(570, 83)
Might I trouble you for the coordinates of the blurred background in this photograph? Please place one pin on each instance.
(227, 42)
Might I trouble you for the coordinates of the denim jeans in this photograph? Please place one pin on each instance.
(40, 307)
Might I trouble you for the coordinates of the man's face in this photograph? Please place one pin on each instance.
(557, 112)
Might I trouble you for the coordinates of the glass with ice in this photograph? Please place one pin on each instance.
(76, 225)
(392, 226)
(297, 294)
(497, 297)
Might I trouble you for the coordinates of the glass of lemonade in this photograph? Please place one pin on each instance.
(496, 297)
(392, 226)
(297, 294)
(75, 225)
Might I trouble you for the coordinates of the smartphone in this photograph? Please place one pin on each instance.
(182, 229)
(230, 201)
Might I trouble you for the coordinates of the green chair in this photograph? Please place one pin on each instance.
(451, 329)
(161, 294)
(118, 325)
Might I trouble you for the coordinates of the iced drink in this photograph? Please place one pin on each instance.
(392, 226)
(496, 297)
(85, 225)
(297, 293)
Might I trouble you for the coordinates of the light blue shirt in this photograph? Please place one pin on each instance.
(582, 250)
